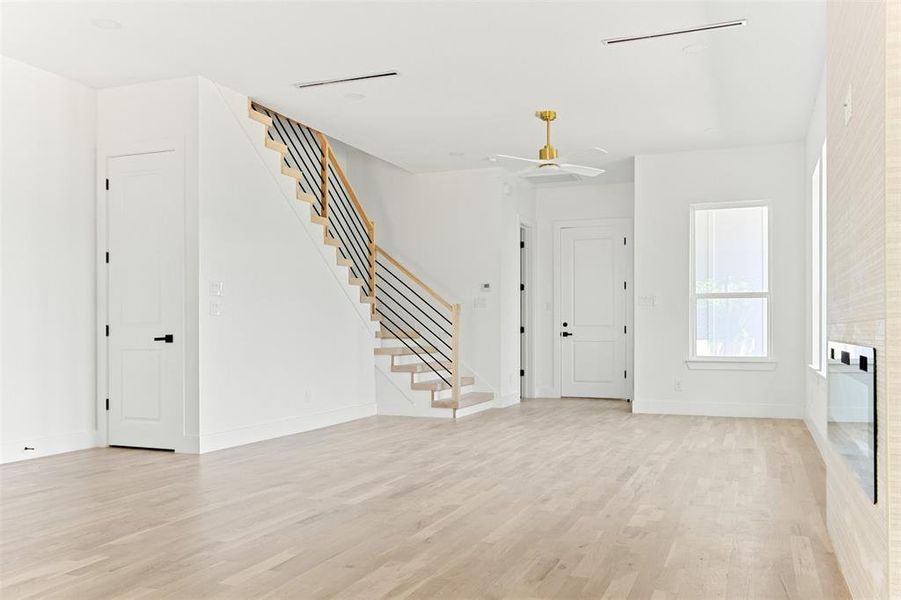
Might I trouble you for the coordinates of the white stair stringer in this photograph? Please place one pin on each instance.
(256, 132)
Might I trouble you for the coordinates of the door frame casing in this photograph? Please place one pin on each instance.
(185, 442)
(626, 226)
(528, 319)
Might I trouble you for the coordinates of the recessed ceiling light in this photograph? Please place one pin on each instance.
(711, 130)
(650, 36)
(106, 23)
(601, 150)
(355, 96)
(492, 159)
(307, 84)
(694, 48)
(455, 153)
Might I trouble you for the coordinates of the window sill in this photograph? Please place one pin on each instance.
(731, 364)
(817, 371)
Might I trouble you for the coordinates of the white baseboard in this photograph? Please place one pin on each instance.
(818, 438)
(506, 401)
(220, 440)
(13, 451)
(546, 392)
(718, 409)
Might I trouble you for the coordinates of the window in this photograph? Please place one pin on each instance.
(818, 263)
(730, 296)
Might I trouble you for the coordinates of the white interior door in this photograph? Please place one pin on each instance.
(593, 312)
(146, 292)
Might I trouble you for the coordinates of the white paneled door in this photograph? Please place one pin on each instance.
(593, 312)
(146, 292)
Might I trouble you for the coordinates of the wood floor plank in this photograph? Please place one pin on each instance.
(548, 499)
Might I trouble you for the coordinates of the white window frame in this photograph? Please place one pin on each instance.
(694, 361)
(818, 339)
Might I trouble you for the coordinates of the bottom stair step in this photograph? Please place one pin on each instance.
(439, 385)
(465, 400)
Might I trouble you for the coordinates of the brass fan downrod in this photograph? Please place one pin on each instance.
(548, 152)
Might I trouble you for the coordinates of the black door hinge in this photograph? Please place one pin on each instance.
(522, 287)
(625, 329)
(624, 285)
(522, 372)
(107, 331)
(625, 374)
(107, 184)
(522, 329)
(522, 244)
(624, 241)
(107, 258)
(107, 404)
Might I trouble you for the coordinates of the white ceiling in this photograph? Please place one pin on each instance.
(471, 73)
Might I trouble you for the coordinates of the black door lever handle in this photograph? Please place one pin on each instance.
(168, 338)
(566, 334)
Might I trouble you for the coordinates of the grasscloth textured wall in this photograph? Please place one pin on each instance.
(893, 278)
(856, 295)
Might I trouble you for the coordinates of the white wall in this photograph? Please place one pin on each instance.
(291, 350)
(47, 324)
(457, 230)
(815, 381)
(556, 204)
(665, 186)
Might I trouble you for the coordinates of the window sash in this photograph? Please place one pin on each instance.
(695, 296)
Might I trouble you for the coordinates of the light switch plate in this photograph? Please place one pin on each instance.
(215, 309)
(647, 301)
(215, 288)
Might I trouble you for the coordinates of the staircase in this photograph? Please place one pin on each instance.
(419, 332)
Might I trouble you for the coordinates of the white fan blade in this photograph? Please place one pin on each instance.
(508, 157)
(581, 170)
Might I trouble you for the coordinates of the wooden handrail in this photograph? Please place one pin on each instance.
(350, 190)
(416, 279)
(326, 155)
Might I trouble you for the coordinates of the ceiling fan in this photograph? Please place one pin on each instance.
(548, 163)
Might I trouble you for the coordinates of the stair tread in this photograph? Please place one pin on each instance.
(332, 241)
(366, 299)
(439, 385)
(387, 335)
(421, 367)
(319, 220)
(305, 197)
(468, 399)
(260, 117)
(277, 146)
(403, 351)
(355, 281)
(292, 172)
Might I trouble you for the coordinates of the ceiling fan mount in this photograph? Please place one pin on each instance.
(548, 152)
(547, 163)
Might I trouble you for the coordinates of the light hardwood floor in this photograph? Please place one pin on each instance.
(553, 498)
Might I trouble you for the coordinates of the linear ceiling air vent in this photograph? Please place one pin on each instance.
(308, 84)
(650, 36)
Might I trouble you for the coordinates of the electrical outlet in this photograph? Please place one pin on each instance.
(215, 309)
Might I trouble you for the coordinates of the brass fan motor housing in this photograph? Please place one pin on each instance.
(548, 152)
